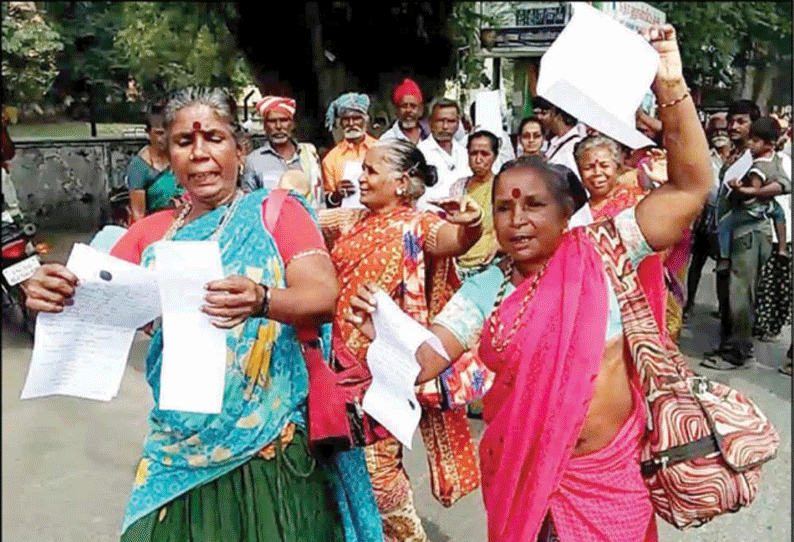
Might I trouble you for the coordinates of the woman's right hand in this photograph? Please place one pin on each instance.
(50, 288)
(663, 39)
(362, 305)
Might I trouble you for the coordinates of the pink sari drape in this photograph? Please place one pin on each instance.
(537, 405)
(544, 382)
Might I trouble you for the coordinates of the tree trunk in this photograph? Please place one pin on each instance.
(768, 75)
(748, 83)
(324, 87)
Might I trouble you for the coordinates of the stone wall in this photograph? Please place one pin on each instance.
(64, 184)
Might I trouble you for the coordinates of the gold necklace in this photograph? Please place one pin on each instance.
(497, 328)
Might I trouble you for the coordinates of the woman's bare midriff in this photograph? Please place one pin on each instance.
(612, 401)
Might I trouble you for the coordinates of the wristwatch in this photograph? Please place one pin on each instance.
(264, 312)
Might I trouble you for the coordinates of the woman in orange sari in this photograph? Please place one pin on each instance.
(408, 253)
(599, 159)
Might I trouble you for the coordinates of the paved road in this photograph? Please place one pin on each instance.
(68, 463)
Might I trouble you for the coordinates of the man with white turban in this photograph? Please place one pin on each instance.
(342, 164)
(281, 152)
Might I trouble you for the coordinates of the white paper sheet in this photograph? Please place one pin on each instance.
(599, 71)
(391, 357)
(82, 351)
(352, 172)
(193, 372)
(739, 168)
(488, 112)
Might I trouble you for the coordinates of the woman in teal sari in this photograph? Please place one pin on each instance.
(149, 177)
(246, 474)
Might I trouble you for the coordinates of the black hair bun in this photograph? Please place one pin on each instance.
(430, 174)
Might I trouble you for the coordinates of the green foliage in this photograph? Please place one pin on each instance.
(716, 36)
(30, 47)
(464, 26)
(100, 45)
(170, 45)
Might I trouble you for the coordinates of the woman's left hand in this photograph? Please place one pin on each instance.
(655, 168)
(463, 212)
(233, 299)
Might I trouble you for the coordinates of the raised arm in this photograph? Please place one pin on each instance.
(669, 210)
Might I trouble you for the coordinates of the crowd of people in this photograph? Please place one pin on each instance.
(489, 242)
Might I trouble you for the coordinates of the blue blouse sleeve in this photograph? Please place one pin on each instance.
(637, 246)
(464, 315)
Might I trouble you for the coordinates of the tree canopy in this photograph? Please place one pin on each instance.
(718, 40)
(315, 50)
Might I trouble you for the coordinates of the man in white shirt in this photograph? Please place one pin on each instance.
(566, 135)
(407, 98)
(441, 150)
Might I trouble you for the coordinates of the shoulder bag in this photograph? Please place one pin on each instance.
(706, 442)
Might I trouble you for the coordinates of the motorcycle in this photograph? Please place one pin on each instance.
(20, 259)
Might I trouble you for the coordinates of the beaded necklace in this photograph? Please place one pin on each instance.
(497, 328)
(180, 220)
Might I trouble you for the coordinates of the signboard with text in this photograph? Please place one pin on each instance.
(634, 15)
(527, 26)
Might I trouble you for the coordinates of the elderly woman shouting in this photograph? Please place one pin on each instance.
(407, 253)
(565, 415)
(244, 474)
(599, 159)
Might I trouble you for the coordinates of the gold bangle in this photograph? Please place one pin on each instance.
(680, 99)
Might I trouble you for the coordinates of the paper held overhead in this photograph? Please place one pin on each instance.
(599, 71)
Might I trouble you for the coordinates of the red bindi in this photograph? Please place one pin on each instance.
(516, 193)
(197, 126)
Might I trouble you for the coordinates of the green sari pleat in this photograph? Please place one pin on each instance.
(285, 499)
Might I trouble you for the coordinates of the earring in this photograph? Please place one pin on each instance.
(400, 192)
(240, 170)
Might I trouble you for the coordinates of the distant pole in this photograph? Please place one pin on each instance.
(91, 109)
(245, 105)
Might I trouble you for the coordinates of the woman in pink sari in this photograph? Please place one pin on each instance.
(565, 416)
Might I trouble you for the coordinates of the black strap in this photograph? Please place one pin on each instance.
(561, 145)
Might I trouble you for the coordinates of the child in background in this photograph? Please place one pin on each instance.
(749, 202)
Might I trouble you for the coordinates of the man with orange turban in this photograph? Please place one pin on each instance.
(407, 98)
(281, 152)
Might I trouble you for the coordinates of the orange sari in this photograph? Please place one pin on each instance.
(390, 249)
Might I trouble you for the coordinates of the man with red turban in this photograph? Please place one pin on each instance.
(407, 98)
(281, 152)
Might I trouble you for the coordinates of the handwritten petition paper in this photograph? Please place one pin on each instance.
(83, 350)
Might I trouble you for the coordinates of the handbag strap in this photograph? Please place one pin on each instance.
(655, 358)
(272, 210)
